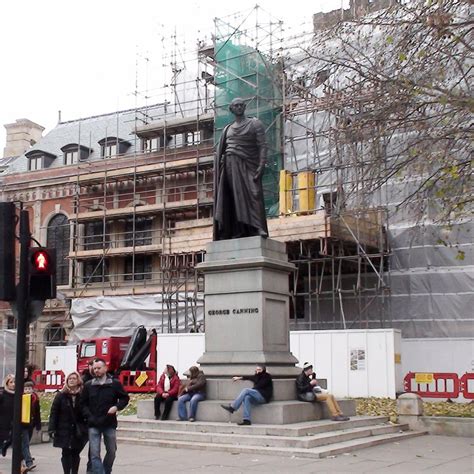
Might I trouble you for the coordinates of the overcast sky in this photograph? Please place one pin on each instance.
(81, 57)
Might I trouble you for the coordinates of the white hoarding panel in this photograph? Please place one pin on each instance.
(180, 350)
(356, 363)
(61, 358)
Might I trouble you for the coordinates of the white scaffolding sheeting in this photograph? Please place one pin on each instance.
(7, 352)
(120, 315)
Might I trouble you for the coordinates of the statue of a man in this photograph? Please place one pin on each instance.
(239, 209)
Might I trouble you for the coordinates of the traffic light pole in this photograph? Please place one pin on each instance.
(22, 305)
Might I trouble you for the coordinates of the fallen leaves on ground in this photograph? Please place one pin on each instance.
(387, 407)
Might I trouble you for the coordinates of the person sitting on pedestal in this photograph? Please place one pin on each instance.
(193, 392)
(261, 392)
(166, 391)
(308, 390)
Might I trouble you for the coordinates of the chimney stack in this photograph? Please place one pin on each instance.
(21, 135)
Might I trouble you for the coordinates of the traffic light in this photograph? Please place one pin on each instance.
(7, 251)
(42, 271)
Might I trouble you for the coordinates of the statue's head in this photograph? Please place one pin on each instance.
(237, 106)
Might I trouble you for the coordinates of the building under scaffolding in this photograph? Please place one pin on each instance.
(126, 198)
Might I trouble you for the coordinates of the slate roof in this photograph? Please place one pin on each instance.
(88, 132)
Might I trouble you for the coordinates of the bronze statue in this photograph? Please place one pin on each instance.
(239, 209)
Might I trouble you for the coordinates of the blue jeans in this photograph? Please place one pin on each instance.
(110, 441)
(249, 397)
(193, 399)
(25, 447)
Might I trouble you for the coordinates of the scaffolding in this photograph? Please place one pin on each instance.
(142, 214)
(340, 282)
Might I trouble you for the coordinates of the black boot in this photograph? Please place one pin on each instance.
(66, 462)
(76, 460)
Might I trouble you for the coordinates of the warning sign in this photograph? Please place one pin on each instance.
(141, 379)
(423, 377)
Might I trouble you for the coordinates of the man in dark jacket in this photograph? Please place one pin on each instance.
(261, 392)
(102, 398)
(308, 390)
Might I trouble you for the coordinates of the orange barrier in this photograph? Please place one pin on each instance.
(439, 384)
(48, 379)
(138, 381)
(464, 385)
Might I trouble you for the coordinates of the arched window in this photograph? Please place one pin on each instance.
(55, 335)
(58, 238)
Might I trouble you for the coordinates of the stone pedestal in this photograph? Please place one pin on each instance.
(410, 410)
(247, 308)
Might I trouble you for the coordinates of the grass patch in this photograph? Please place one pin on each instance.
(46, 400)
(387, 407)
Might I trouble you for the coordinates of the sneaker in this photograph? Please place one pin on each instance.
(191, 419)
(228, 408)
(245, 423)
(339, 418)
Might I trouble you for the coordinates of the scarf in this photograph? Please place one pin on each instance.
(167, 384)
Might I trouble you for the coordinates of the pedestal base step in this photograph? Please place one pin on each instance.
(226, 389)
(310, 439)
(274, 413)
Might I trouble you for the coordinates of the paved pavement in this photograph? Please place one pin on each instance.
(434, 454)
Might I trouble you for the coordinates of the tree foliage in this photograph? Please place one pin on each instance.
(400, 82)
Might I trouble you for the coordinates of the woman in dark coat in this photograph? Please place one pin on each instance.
(6, 412)
(67, 425)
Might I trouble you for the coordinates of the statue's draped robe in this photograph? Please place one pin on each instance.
(239, 207)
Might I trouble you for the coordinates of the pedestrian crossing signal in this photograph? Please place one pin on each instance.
(42, 270)
(41, 262)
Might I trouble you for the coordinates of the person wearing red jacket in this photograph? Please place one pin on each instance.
(166, 391)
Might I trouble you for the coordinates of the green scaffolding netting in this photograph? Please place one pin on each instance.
(244, 72)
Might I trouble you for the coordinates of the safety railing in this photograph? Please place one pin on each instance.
(138, 381)
(48, 379)
(440, 384)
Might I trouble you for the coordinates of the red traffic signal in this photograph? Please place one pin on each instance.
(42, 270)
(41, 261)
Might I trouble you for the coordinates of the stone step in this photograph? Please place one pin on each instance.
(262, 440)
(307, 428)
(318, 452)
(275, 413)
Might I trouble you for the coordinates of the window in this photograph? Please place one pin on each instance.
(95, 236)
(11, 322)
(55, 335)
(95, 271)
(88, 349)
(74, 152)
(38, 159)
(142, 233)
(151, 144)
(70, 157)
(112, 146)
(175, 141)
(35, 163)
(138, 268)
(193, 138)
(331, 202)
(58, 236)
(109, 150)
